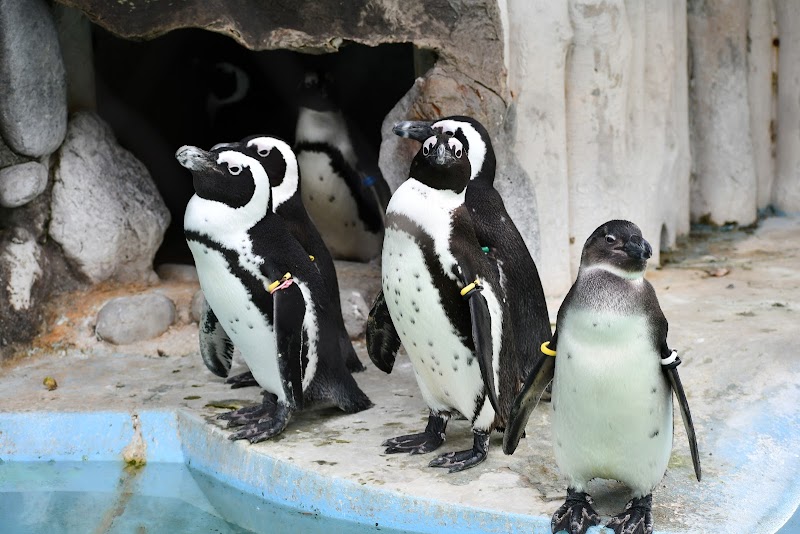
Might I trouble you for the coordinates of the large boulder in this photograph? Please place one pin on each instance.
(107, 214)
(33, 101)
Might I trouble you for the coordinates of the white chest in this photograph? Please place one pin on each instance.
(232, 303)
(612, 407)
(332, 206)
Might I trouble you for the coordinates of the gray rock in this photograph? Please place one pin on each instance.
(19, 184)
(107, 214)
(198, 301)
(354, 311)
(127, 320)
(33, 102)
(177, 272)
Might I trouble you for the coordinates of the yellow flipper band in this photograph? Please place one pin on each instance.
(545, 348)
(310, 257)
(274, 285)
(470, 287)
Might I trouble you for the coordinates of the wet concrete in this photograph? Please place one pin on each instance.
(732, 300)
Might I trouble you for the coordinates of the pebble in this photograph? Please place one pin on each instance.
(126, 320)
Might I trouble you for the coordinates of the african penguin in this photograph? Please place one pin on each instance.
(342, 187)
(614, 378)
(497, 233)
(280, 163)
(442, 300)
(267, 296)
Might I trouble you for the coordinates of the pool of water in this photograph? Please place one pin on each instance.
(793, 525)
(68, 497)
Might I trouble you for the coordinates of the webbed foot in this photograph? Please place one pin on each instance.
(266, 427)
(427, 441)
(576, 515)
(460, 460)
(249, 414)
(244, 380)
(636, 519)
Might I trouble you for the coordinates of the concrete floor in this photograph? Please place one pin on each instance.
(732, 300)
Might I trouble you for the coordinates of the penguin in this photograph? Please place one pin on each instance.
(279, 161)
(342, 188)
(497, 233)
(614, 380)
(265, 295)
(443, 301)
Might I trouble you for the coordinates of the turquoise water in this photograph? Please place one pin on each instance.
(793, 525)
(169, 498)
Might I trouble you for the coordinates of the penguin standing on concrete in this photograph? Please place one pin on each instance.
(280, 164)
(497, 233)
(614, 379)
(443, 301)
(265, 293)
(342, 187)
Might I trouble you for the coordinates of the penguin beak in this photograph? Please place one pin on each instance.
(417, 130)
(636, 247)
(441, 156)
(193, 158)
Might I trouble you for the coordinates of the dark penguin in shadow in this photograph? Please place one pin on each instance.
(497, 233)
(280, 163)
(265, 293)
(444, 303)
(342, 188)
(614, 380)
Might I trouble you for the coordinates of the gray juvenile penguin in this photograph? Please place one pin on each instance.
(614, 378)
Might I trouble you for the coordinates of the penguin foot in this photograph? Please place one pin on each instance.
(427, 441)
(460, 460)
(636, 519)
(265, 428)
(243, 380)
(249, 414)
(576, 515)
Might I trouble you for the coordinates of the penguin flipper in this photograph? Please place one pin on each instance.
(528, 398)
(382, 339)
(288, 313)
(671, 372)
(216, 347)
(482, 338)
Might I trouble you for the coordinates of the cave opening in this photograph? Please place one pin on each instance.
(197, 87)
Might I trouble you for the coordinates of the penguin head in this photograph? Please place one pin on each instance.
(225, 175)
(470, 132)
(280, 163)
(316, 91)
(442, 163)
(617, 246)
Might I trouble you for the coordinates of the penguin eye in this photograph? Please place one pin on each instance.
(610, 238)
(427, 145)
(234, 169)
(456, 146)
(263, 152)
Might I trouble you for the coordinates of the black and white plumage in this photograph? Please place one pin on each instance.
(614, 378)
(342, 187)
(241, 248)
(460, 348)
(496, 231)
(278, 159)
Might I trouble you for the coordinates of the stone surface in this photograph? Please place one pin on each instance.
(107, 214)
(126, 320)
(19, 184)
(724, 182)
(177, 272)
(196, 306)
(33, 106)
(354, 312)
(786, 193)
(745, 413)
(472, 43)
